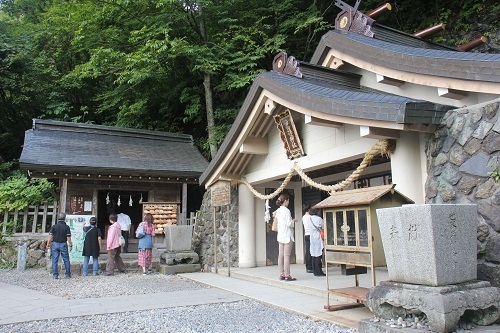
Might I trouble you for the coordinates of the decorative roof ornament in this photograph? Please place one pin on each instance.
(350, 19)
(285, 64)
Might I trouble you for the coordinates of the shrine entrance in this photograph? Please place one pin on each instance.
(118, 201)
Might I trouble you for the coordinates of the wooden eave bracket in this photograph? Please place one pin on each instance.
(310, 120)
(452, 93)
(377, 133)
(254, 146)
(389, 81)
(269, 106)
(334, 62)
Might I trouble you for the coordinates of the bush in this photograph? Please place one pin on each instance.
(17, 191)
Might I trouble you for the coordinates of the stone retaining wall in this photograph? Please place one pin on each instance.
(36, 256)
(203, 235)
(460, 154)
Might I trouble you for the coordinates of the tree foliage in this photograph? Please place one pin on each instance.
(17, 191)
(171, 65)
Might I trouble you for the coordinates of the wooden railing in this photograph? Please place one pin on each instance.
(34, 219)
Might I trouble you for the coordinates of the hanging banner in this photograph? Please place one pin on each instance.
(289, 135)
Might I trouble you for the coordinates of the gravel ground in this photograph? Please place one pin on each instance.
(241, 316)
(133, 283)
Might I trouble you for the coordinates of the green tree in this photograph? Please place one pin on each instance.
(17, 191)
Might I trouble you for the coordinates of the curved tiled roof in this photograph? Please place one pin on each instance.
(340, 100)
(54, 146)
(329, 97)
(434, 62)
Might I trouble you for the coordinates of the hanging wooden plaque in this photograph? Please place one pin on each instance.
(289, 135)
(221, 193)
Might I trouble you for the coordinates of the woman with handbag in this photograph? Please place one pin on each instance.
(317, 243)
(285, 236)
(113, 247)
(145, 259)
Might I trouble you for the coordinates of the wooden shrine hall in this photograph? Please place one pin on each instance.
(103, 169)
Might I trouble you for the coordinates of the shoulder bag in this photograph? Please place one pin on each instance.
(140, 232)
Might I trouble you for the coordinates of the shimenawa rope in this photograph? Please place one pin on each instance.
(382, 147)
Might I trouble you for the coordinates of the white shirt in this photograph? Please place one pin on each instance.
(306, 221)
(285, 225)
(317, 245)
(124, 221)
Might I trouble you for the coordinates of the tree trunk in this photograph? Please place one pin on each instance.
(210, 113)
(209, 102)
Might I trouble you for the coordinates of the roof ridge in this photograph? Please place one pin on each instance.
(55, 125)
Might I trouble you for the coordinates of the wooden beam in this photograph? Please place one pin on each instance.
(377, 133)
(310, 120)
(254, 146)
(452, 93)
(389, 81)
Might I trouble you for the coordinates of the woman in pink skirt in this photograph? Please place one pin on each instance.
(145, 259)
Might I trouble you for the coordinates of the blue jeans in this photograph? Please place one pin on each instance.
(95, 265)
(62, 249)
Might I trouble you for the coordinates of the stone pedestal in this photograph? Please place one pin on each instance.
(477, 301)
(179, 257)
(430, 244)
(431, 259)
(178, 237)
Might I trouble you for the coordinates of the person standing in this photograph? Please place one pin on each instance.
(91, 247)
(125, 223)
(113, 247)
(307, 237)
(145, 259)
(59, 240)
(285, 236)
(317, 244)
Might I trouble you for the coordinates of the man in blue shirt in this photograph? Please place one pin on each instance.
(60, 238)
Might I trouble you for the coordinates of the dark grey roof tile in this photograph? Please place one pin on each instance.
(117, 151)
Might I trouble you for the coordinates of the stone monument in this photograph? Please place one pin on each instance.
(179, 256)
(431, 260)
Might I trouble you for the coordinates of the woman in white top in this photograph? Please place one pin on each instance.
(316, 242)
(285, 236)
(307, 235)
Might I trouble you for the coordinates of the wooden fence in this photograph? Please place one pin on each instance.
(35, 219)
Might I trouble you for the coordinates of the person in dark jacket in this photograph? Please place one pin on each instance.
(91, 247)
(59, 240)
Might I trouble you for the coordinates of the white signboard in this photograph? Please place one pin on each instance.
(76, 223)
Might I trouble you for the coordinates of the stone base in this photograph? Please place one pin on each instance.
(368, 326)
(477, 301)
(179, 257)
(175, 269)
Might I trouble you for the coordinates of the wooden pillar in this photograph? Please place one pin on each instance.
(184, 203)
(63, 185)
(246, 235)
(94, 201)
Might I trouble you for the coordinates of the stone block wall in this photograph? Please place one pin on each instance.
(36, 256)
(203, 235)
(460, 156)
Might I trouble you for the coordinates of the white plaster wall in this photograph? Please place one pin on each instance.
(323, 146)
(406, 167)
